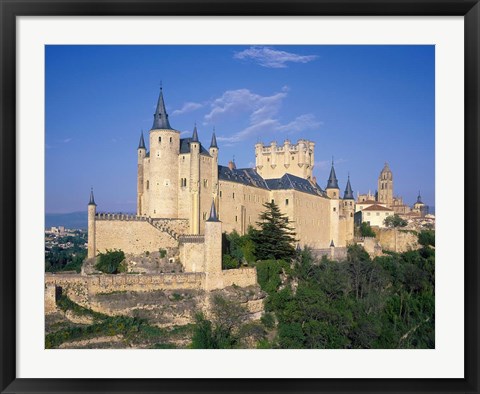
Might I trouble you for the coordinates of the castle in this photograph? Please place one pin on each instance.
(185, 199)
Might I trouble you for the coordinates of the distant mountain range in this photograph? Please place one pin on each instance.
(77, 220)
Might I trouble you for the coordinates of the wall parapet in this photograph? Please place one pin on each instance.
(191, 238)
(144, 282)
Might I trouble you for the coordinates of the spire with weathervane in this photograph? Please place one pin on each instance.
(332, 179)
(92, 199)
(348, 195)
(160, 118)
(141, 144)
(195, 134)
(213, 144)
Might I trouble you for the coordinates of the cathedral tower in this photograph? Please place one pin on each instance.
(385, 186)
(161, 185)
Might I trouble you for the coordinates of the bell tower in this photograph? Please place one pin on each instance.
(385, 186)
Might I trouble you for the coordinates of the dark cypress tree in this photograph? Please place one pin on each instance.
(275, 238)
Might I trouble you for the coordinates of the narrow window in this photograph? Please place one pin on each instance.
(334, 209)
(235, 218)
(286, 201)
(159, 139)
(148, 185)
(220, 194)
(351, 215)
(170, 139)
(233, 194)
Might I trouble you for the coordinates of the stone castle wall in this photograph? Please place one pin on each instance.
(80, 288)
(396, 240)
(192, 253)
(133, 234)
(240, 277)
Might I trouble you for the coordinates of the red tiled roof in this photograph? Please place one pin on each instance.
(367, 202)
(376, 207)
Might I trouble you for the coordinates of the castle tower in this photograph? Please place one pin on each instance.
(311, 159)
(348, 207)
(92, 210)
(332, 189)
(161, 184)
(214, 153)
(195, 182)
(385, 186)
(142, 151)
(213, 251)
(274, 161)
(333, 192)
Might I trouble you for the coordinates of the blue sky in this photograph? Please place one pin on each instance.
(363, 105)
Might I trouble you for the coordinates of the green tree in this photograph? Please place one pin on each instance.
(111, 262)
(426, 238)
(275, 238)
(395, 221)
(366, 230)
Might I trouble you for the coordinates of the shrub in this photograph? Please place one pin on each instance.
(426, 238)
(111, 262)
(163, 253)
(366, 230)
(268, 320)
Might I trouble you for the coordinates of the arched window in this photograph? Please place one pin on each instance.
(148, 185)
(159, 139)
(170, 139)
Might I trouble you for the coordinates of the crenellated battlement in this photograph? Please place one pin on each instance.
(273, 161)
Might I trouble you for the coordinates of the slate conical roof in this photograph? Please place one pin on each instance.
(348, 191)
(141, 144)
(92, 199)
(332, 179)
(213, 144)
(213, 214)
(195, 134)
(160, 118)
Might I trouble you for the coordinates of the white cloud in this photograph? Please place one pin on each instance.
(262, 112)
(326, 164)
(272, 58)
(67, 140)
(187, 107)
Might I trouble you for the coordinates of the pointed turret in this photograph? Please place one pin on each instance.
(195, 134)
(332, 179)
(141, 144)
(348, 191)
(213, 144)
(419, 198)
(160, 118)
(213, 213)
(92, 199)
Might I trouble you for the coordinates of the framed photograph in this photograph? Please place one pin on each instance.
(239, 197)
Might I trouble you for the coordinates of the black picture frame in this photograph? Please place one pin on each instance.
(470, 10)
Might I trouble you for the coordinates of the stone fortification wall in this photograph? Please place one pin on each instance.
(134, 234)
(331, 253)
(80, 288)
(396, 240)
(240, 277)
(192, 252)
